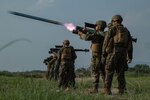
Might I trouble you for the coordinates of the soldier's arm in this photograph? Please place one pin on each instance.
(52, 61)
(107, 38)
(129, 49)
(59, 56)
(88, 36)
(73, 53)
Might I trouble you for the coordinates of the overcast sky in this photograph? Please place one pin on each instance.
(35, 38)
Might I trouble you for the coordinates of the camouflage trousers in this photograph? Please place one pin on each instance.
(115, 63)
(97, 68)
(66, 74)
(50, 72)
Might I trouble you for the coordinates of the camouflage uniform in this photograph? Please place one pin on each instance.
(50, 62)
(96, 38)
(66, 58)
(54, 61)
(117, 48)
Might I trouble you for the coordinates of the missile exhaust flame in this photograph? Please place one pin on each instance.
(70, 26)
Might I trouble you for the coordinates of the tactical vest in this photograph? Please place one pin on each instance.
(96, 47)
(97, 43)
(66, 53)
(121, 37)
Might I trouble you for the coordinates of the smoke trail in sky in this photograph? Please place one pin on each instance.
(12, 42)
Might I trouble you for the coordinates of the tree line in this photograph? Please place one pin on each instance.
(137, 70)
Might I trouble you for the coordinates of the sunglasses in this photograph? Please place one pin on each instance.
(115, 20)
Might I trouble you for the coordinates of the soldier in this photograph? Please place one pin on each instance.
(50, 62)
(66, 59)
(54, 61)
(117, 48)
(96, 38)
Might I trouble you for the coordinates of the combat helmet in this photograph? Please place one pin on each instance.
(66, 42)
(101, 23)
(117, 17)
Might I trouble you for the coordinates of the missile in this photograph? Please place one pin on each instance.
(36, 18)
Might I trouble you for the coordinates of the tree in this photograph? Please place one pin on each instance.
(142, 68)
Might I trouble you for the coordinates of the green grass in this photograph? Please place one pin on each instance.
(20, 88)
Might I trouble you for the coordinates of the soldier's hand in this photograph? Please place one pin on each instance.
(129, 61)
(79, 33)
(84, 30)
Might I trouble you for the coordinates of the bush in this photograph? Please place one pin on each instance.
(83, 72)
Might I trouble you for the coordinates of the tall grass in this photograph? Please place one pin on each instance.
(20, 88)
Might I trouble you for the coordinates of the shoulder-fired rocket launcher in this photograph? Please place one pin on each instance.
(58, 47)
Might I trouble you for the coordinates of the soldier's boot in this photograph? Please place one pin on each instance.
(107, 91)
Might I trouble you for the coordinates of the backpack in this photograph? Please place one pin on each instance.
(66, 53)
(121, 36)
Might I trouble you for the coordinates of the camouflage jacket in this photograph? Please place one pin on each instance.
(96, 39)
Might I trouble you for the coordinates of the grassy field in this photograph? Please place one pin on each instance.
(20, 88)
